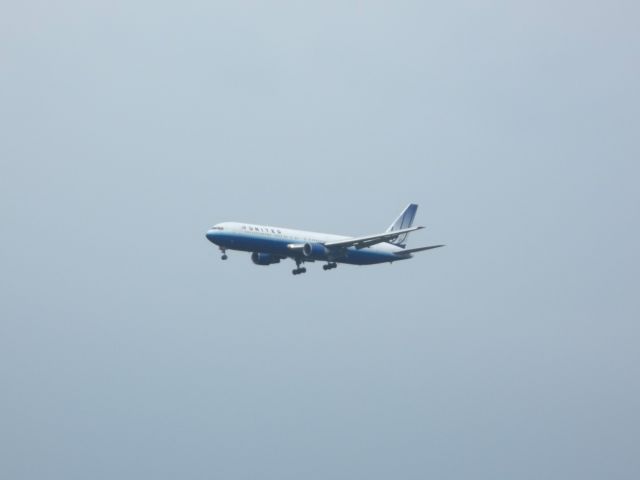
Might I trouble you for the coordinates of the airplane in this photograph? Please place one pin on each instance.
(269, 245)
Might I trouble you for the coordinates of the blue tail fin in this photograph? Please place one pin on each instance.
(405, 220)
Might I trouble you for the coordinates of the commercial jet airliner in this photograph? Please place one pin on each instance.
(269, 244)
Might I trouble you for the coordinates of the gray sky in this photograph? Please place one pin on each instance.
(129, 350)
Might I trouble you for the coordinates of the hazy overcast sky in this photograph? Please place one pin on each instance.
(129, 350)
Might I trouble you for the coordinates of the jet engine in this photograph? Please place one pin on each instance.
(264, 258)
(315, 251)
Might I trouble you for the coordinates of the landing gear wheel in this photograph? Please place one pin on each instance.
(224, 256)
(298, 270)
(329, 266)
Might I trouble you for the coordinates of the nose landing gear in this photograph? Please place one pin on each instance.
(224, 253)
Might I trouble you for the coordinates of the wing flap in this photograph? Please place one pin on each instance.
(368, 241)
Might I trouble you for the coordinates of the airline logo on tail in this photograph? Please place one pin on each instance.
(405, 220)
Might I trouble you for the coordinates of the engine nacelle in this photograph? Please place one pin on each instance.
(315, 251)
(264, 258)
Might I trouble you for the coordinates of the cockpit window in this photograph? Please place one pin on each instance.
(217, 228)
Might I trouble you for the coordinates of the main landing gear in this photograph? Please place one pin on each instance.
(329, 266)
(224, 253)
(298, 270)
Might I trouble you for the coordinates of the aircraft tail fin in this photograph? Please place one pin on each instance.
(404, 220)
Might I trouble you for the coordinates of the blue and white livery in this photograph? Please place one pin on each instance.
(270, 245)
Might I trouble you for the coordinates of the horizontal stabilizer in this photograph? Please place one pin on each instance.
(415, 250)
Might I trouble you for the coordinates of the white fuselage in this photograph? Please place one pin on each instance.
(286, 242)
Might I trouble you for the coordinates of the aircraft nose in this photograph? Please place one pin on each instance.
(211, 235)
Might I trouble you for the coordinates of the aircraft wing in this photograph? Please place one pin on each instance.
(414, 250)
(368, 241)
